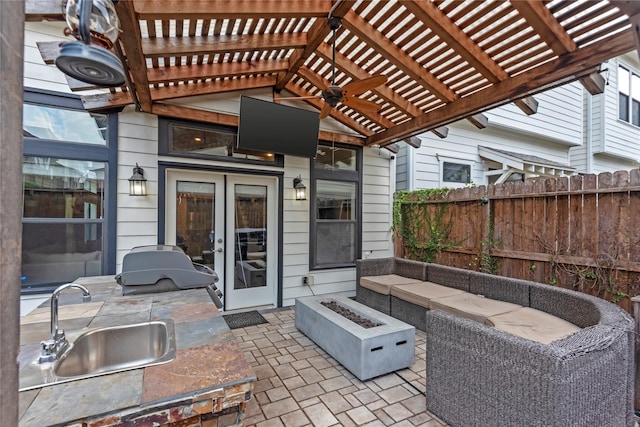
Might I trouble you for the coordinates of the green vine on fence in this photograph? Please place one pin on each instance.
(489, 263)
(423, 243)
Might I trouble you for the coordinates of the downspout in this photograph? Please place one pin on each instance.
(410, 168)
(589, 141)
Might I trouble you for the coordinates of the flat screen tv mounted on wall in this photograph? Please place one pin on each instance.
(269, 127)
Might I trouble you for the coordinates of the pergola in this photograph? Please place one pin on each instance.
(444, 60)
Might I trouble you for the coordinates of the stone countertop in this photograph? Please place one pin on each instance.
(209, 373)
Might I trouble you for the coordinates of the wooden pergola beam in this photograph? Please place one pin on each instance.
(224, 9)
(160, 47)
(316, 35)
(399, 58)
(463, 45)
(564, 69)
(120, 99)
(215, 70)
(553, 34)
(631, 8)
(135, 61)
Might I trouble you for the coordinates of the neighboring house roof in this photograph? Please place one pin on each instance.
(444, 60)
(526, 164)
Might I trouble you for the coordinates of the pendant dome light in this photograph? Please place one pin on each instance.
(95, 24)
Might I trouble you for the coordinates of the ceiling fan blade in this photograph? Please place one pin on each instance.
(326, 109)
(360, 104)
(359, 87)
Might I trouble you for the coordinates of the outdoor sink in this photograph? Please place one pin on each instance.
(106, 350)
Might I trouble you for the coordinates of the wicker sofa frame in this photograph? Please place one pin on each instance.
(479, 376)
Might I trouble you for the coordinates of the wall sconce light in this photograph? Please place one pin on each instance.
(95, 24)
(137, 182)
(299, 188)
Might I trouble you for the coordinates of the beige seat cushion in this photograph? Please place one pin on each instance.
(421, 293)
(471, 306)
(382, 284)
(533, 324)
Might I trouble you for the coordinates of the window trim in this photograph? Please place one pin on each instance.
(164, 135)
(75, 151)
(632, 72)
(449, 184)
(339, 175)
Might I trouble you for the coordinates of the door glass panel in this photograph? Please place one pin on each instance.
(195, 232)
(250, 236)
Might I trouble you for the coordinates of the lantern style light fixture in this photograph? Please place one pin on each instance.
(137, 182)
(299, 188)
(95, 24)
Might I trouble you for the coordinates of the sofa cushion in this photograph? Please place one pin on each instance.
(382, 284)
(535, 325)
(471, 306)
(421, 293)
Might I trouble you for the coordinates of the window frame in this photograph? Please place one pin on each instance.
(451, 184)
(352, 176)
(630, 98)
(164, 142)
(108, 153)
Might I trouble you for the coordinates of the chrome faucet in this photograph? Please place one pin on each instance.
(57, 344)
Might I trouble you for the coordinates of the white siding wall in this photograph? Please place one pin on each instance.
(559, 116)
(402, 173)
(37, 74)
(462, 144)
(620, 139)
(137, 216)
(378, 184)
(377, 193)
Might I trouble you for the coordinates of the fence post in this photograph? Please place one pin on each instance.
(636, 315)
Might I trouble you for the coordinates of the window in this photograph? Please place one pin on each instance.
(335, 207)
(628, 96)
(199, 140)
(454, 172)
(68, 221)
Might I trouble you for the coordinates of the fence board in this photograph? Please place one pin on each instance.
(577, 232)
(590, 217)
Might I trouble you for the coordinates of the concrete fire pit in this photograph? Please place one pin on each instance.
(365, 352)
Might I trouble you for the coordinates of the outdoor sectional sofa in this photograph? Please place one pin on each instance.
(508, 352)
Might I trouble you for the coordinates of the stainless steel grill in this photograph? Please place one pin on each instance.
(164, 268)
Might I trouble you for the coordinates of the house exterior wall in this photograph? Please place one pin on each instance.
(609, 143)
(461, 145)
(558, 118)
(138, 217)
(571, 127)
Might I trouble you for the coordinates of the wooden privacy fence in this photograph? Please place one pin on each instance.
(580, 232)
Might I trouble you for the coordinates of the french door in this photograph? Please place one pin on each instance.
(227, 222)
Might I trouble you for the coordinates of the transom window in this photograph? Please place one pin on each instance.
(200, 140)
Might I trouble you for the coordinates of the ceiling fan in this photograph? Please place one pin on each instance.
(347, 95)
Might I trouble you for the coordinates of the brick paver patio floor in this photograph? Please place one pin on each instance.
(299, 384)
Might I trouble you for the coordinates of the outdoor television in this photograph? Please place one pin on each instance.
(269, 127)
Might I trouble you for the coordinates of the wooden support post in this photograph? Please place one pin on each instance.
(11, 93)
(636, 315)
